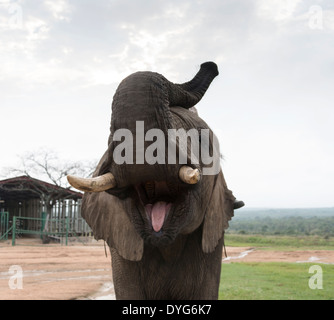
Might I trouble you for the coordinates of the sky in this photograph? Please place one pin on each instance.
(271, 105)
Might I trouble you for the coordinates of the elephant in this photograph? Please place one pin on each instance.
(163, 222)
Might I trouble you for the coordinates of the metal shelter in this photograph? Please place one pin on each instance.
(37, 207)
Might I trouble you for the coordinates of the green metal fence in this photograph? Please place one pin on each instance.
(55, 230)
(60, 233)
(4, 225)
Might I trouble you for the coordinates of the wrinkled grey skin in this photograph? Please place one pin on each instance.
(183, 260)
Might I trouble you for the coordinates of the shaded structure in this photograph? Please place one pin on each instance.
(39, 202)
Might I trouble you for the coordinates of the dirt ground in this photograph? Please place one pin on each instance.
(55, 272)
(84, 272)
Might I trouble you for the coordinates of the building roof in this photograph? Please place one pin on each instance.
(25, 187)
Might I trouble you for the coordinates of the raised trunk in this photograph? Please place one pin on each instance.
(145, 98)
(139, 105)
(188, 94)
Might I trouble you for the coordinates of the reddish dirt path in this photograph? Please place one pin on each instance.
(54, 272)
(84, 272)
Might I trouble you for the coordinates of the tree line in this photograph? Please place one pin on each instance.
(321, 226)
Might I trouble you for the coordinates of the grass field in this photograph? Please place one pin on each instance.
(275, 280)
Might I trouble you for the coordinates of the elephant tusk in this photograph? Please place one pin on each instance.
(189, 175)
(98, 184)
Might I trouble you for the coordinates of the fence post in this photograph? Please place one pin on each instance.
(7, 224)
(67, 227)
(4, 225)
(44, 215)
(14, 231)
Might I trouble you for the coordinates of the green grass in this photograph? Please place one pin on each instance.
(286, 243)
(273, 281)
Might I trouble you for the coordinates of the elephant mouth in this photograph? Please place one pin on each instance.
(157, 214)
(159, 200)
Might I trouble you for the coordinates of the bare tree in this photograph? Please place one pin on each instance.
(45, 165)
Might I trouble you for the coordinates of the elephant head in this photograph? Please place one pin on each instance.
(139, 201)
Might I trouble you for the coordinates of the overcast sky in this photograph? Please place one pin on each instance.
(271, 106)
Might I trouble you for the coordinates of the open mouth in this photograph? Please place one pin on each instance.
(157, 197)
(157, 213)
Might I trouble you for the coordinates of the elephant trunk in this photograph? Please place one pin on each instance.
(188, 94)
(148, 95)
(139, 105)
(144, 99)
(142, 96)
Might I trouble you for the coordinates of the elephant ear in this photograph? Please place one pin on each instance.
(106, 215)
(219, 211)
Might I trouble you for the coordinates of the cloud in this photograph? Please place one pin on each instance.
(271, 104)
(277, 10)
(60, 9)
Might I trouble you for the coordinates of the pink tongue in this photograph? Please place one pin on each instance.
(158, 213)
